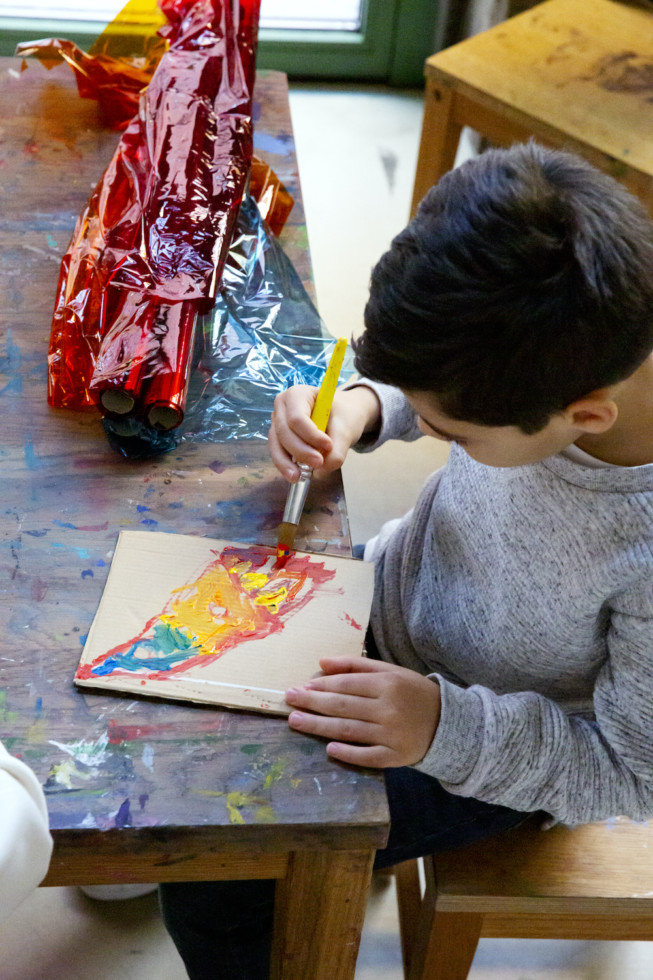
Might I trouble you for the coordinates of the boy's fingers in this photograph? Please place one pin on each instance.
(340, 729)
(354, 665)
(338, 704)
(375, 756)
(296, 449)
(281, 459)
(293, 416)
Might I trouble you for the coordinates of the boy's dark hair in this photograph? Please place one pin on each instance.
(524, 282)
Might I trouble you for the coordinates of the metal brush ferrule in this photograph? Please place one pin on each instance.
(297, 495)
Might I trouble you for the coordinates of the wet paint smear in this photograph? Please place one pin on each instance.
(241, 595)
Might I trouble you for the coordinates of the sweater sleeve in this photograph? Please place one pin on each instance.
(524, 751)
(398, 420)
(25, 841)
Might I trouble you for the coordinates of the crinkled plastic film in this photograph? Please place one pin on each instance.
(157, 228)
(147, 256)
(263, 335)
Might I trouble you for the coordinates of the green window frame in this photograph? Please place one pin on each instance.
(395, 38)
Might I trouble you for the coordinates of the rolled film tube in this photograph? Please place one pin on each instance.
(126, 350)
(164, 397)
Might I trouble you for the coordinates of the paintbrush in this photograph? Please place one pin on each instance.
(320, 416)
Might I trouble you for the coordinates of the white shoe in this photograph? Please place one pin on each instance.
(111, 893)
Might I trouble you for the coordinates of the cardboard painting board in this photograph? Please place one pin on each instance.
(221, 622)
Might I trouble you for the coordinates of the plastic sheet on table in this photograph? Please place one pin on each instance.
(263, 335)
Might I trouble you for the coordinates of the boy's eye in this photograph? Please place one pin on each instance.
(442, 435)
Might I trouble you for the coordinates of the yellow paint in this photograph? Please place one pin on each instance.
(222, 601)
(64, 772)
(37, 732)
(272, 600)
(254, 580)
(277, 771)
(237, 801)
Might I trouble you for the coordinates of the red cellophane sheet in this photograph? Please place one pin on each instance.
(148, 251)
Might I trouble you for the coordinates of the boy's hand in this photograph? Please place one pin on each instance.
(389, 713)
(293, 436)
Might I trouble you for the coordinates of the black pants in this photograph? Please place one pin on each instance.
(223, 929)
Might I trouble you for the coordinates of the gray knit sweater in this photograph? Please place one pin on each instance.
(528, 593)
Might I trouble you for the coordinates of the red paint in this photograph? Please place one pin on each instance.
(350, 619)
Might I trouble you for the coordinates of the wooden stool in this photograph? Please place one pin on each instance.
(572, 74)
(590, 882)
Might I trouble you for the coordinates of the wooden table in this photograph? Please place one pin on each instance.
(572, 75)
(140, 790)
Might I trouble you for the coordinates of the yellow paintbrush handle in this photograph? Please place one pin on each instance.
(324, 400)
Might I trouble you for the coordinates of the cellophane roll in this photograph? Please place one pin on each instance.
(157, 228)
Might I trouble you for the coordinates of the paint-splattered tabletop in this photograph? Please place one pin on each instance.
(121, 773)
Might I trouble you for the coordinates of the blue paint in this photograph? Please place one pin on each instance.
(149, 521)
(71, 527)
(38, 707)
(101, 563)
(83, 638)
(167, 647)
(36, 534)
(281, 145)
(175, 506)
(141, 508)
(81, 552)
(227, 508)
(123, 816)
(10, 363)
(87, 573)
(142, 800)
(52, 243)
(32, 459)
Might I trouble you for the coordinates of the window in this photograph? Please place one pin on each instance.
(375, 40)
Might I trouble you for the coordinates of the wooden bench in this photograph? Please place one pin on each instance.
(589, 882)
(569, 73)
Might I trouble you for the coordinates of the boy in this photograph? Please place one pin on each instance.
(513, 608)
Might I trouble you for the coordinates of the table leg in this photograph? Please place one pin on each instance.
(439, 139)
(319, 912)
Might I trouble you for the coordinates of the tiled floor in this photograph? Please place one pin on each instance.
(357, 154)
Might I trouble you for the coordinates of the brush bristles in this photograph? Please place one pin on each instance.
(286, 539)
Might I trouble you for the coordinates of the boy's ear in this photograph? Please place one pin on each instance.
(595, 413)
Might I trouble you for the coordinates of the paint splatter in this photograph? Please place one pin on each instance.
(281, 145)
(82, 527)
(241, 595)
(352, 621)
(237, 801)
(123, 816)
(32, 460)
